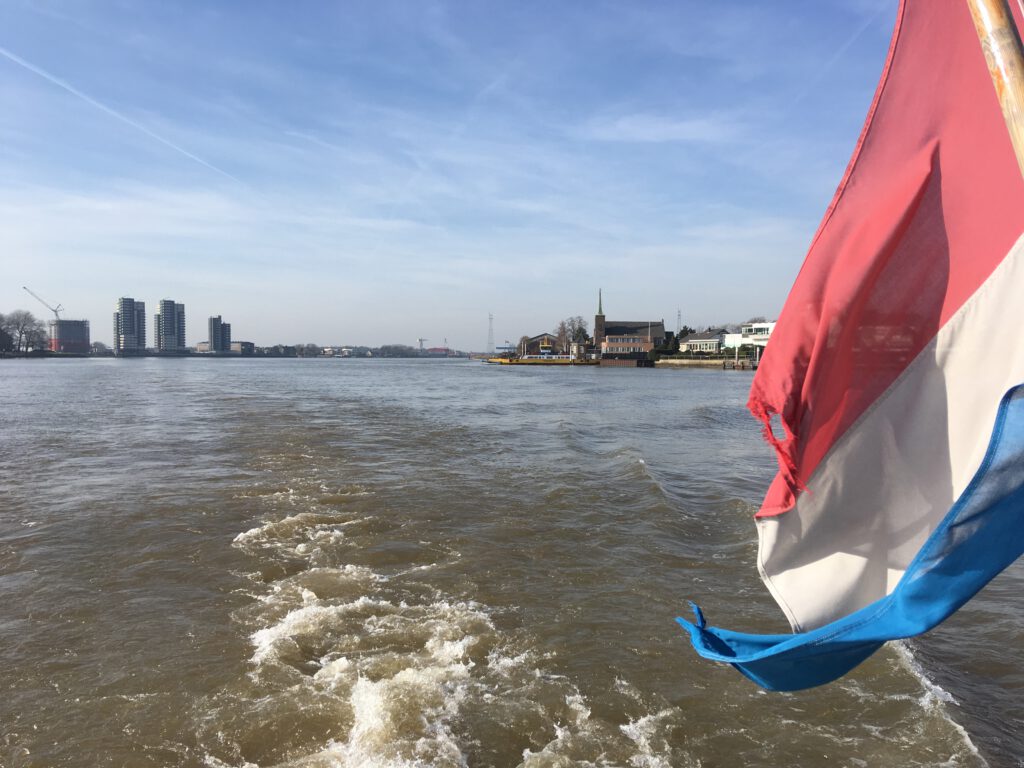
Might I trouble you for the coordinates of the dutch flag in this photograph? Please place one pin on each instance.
(891, 388)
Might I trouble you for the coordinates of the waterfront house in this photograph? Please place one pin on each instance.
(711, 341)
(757, 333)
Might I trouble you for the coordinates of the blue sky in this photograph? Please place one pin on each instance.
(374, 172)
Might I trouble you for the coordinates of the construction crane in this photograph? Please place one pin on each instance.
(421, 343)
(56, 310)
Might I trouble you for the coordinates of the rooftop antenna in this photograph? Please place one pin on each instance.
(56, 310)
(679, 321)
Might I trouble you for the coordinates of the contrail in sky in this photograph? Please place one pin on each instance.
(112, 112)
(840, 52)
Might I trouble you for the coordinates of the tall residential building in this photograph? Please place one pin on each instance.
(169, 330)
(130, 327)
(220, 335)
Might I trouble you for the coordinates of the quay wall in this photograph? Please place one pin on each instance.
(730, 364)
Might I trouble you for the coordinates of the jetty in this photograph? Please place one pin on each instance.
(725, 364)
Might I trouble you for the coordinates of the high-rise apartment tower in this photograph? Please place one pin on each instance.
(130, 327)
(220, 335)
(169, 330)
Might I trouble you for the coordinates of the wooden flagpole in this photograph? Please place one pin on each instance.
(1002, 46)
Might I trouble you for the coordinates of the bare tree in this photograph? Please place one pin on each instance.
(25, 330)
(6, 340)
(577, 328)
(37, 339)
(562, 336)
(572, 329)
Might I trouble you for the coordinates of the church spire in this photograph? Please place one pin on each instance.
(599, 310)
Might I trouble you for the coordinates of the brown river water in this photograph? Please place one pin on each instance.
(425, 563)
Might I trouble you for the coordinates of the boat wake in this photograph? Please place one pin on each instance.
(365, 664)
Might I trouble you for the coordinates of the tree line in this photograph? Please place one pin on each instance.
(22, 333)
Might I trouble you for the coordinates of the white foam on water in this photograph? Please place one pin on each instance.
(628, 689)
(324, 577)
(417, 703)
(403, 670)
(503, 665)
(647, 733)
(318, 538)
(312, 619)
(579, 740)
(572, 738)
(303, 533)
(453, 556)
(933, 691)
(407, 673)
(246, 536)
(270, 530)
(935, 698)
(402, 718)
(579, 709)
(336, 672)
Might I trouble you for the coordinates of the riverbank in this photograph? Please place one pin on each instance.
(728, 364)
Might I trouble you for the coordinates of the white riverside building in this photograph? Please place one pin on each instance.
(130, 327)
(751, 334)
